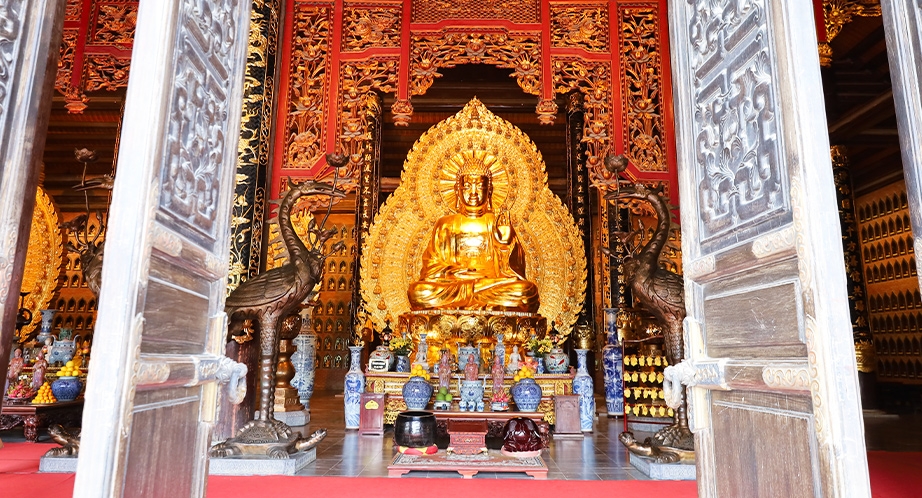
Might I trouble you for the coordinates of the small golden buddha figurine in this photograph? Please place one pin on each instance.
(474, 260)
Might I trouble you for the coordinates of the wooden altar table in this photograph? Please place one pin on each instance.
(33, 417)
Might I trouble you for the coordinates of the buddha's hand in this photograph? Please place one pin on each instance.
(503, 228)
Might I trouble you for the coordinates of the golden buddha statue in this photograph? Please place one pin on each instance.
(473, 260)
(444, 263)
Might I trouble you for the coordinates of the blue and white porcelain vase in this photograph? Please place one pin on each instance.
(66, 388)
(540, 362)
(354, 387)
(47, 323)
(499, 351)
(527, 395)
(556, 362)
(303, 361)
(613, 365)
(471, 395)
(416, 393)
(403, 364)
(582, 386)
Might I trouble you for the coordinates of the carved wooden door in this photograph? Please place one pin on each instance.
(903, 28)
(774, 399)
(159, 338)
(30, 34)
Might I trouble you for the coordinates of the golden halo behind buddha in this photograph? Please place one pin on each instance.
(474, 140)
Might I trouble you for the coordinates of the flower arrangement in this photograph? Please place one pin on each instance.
(539, 346)
(400, 345)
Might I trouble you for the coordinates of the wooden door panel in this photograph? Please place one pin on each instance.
(903, 29)
(150, 398)
(782, 469)
(770, 360)
(151, 416)
(30, 37)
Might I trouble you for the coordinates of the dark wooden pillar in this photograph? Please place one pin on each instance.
(366, 202)
(865, 353)
(578, 193)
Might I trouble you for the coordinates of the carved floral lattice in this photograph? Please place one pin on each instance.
(195, 141)
(517, 11)
(641, 93)
(736, 130)
(66, 60)
(102, 55)
(358, 81)
(72, 10)
(580, 27)
(115, 25)
(431, 52)
(104, 72)
(593, 80)
(307, 99)
(371, 27)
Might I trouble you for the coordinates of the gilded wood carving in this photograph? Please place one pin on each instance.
(432, 51)
(308, 84)
(518, 11)
(44, 260)
(642, 87)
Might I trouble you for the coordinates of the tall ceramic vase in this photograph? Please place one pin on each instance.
(354, 387)
(47, 323)
(582, 386)
(613, 364)
(303, 361)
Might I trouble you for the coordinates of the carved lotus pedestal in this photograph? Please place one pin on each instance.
(452, 329)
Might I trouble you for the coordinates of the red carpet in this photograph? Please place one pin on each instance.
(893, 475)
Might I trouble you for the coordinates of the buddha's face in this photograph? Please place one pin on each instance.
(474, 190)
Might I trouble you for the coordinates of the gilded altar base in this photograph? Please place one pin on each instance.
(449, 329)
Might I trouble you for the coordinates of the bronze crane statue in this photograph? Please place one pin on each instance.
(270, 297)
(663, 294)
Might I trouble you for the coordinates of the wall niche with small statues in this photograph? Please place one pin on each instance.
(893, 298)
